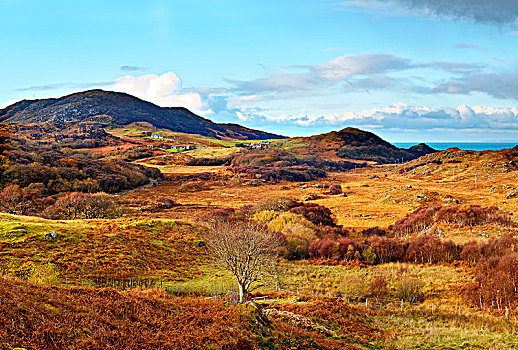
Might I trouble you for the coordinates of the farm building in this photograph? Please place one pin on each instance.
(182, 147)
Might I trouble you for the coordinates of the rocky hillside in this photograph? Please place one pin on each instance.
(464, 164)
(352, 143)
(120, 109)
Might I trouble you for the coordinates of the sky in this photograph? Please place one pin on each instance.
(407, 70)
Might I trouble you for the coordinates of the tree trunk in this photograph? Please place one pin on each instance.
(242, 293)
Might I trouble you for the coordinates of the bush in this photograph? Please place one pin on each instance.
(165, 203)
(35, 273)
(276, 204)
(317, 214)
(265, 216)
(286, 221)
(193, 186)
(79, 205)
(335, 189)
(217, 216)
(378, 287)
(374, 231)
(409, 289)
(495, 283)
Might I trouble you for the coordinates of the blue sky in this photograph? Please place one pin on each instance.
(408, 70)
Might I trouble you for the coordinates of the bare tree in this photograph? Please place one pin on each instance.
(246, 249)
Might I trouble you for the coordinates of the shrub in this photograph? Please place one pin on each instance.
(276, 203)
(317, 214)
(296, 247)
(378, 287)
(374, 231)
(265, 216)
(36, 273)
(165, 203)
(286, 221)
(495, 283)
(409, 289)
(217, 216)
(79, 205)
(335, 189)
(193, 186)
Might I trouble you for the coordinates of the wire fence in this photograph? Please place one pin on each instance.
(230, 292)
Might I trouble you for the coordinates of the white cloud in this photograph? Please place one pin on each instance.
(163, 90)
(400, 116)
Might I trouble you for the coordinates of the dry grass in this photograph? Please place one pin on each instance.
(371, 201)
(446, 332)
(214, 152)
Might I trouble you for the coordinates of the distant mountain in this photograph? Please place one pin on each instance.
(352, 143)
(122, 109)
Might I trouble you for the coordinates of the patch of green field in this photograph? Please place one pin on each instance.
(288, 144)
(224, 143)
(33, 226)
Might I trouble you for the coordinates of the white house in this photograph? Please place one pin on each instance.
(157, 136)
(182, 147)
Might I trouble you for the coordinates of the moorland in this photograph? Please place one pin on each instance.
(106, 214)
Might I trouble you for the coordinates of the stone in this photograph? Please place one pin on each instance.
(51, 235)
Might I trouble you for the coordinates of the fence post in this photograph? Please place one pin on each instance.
(506, 312)
(433, 308)
(401, 305)
(366, 303)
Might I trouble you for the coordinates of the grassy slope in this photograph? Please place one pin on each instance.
(124, 248)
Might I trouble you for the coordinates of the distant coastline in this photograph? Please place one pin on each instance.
(473, 146)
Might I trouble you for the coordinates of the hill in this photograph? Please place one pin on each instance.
(356, 144)
(120, 109)
(463, 164)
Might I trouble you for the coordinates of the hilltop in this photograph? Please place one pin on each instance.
(117, 109)
(356, 144)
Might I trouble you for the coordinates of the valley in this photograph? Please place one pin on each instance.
(104, 231)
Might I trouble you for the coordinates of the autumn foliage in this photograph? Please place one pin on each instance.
(43, 317)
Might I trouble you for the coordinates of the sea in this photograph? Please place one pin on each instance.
(472, 146)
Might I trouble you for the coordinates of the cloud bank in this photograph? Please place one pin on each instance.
(403, 117)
